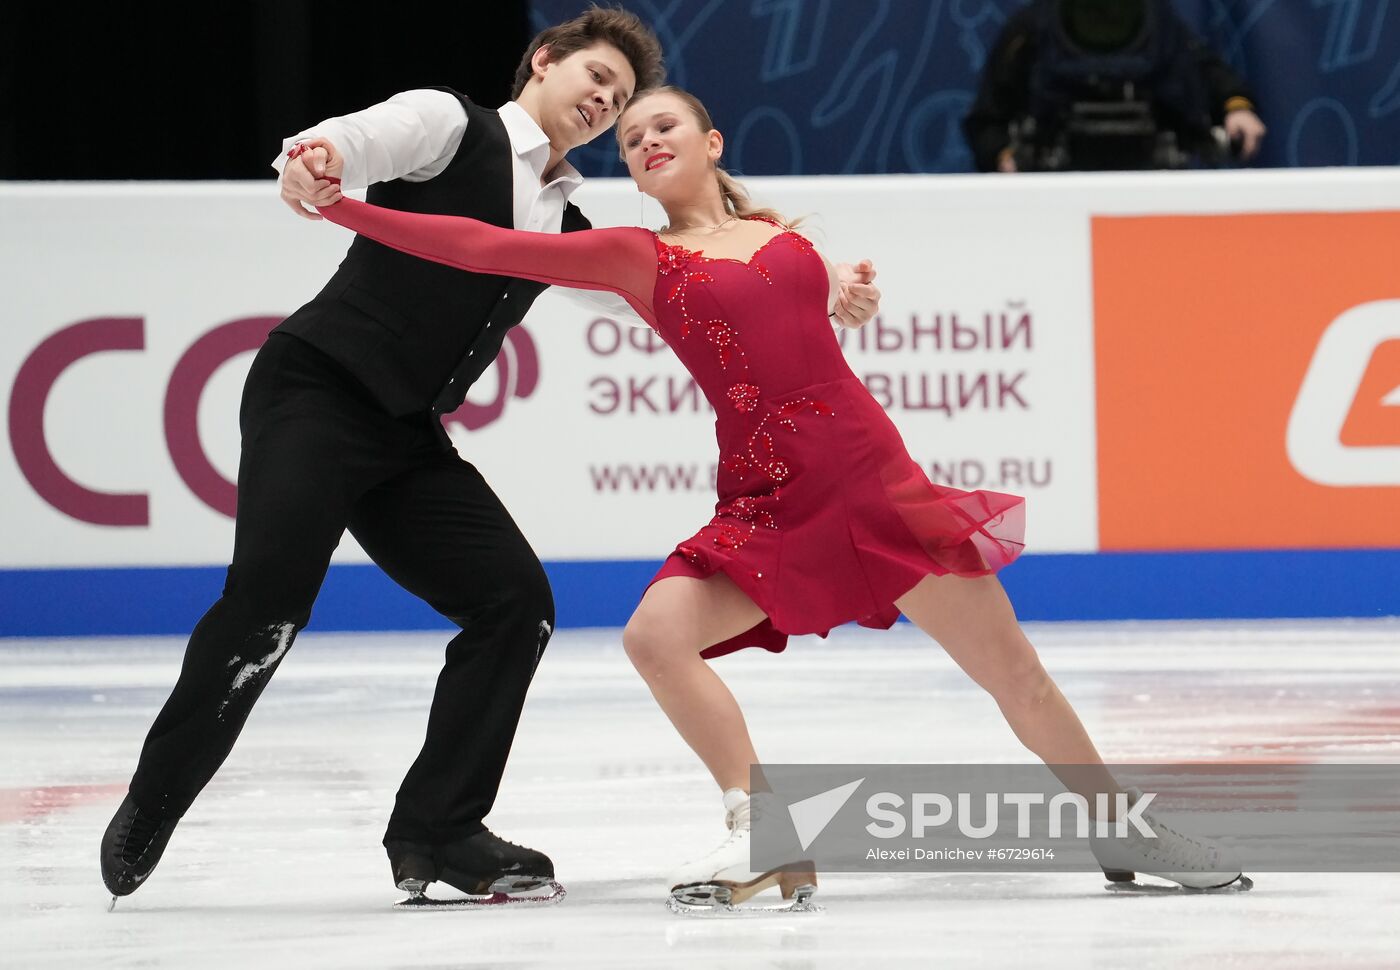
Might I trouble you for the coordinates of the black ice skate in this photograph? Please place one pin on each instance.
(131, 847)
(488, 869)
(413, 866)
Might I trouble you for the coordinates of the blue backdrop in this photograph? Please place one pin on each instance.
(809, 87)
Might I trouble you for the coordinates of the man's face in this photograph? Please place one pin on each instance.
(582, 94)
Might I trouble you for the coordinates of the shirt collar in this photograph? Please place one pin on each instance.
(531, 143)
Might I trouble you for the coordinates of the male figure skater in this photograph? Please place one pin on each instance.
(341, 429)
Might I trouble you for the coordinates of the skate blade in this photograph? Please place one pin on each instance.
(716, 901)
(1134, 887)
(543, 895)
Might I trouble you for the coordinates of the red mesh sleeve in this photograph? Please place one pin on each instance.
(621, 260)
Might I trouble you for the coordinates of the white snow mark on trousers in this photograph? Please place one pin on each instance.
(545, 632)
(284, 633)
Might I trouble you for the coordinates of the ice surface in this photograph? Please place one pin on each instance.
(279, 863)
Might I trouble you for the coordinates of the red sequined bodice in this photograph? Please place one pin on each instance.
(710, 310)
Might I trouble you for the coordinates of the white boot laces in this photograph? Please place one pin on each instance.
(741, 817)
(738, 821)
(1175, 849)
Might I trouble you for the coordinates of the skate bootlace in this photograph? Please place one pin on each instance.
(500, 841)
(744, 815)
(736, 834)
(140, 832)
(1180, 849)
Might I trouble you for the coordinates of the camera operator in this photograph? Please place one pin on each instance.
(1107, 84)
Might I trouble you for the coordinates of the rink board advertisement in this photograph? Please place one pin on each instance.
(1302, 311)
(1162, 365)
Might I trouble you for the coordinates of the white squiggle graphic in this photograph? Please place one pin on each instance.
(1332, 150)
(1238, 28)
(795, 25)
(1387, 99)
(284, 632)
(1351, 41)
(973, 18)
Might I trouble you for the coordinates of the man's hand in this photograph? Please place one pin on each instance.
(858, 300)
(1246, 126)
(305, 179)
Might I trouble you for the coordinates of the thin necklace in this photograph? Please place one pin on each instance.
(720, 225)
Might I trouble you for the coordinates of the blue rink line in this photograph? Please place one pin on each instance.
(1093, 586)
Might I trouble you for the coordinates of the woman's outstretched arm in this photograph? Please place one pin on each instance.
(621, 260)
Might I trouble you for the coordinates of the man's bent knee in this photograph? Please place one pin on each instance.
(521, 596)
(271, 594)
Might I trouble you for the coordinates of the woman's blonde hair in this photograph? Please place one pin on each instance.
(736, 197)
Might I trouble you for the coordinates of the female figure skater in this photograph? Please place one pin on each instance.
(822, 517)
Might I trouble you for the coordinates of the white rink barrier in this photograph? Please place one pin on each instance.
(1164, 362)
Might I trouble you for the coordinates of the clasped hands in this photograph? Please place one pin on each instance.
(308, 174)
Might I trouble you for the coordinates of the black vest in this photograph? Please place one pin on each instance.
(415, 333)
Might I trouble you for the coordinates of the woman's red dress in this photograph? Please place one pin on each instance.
(822, 517)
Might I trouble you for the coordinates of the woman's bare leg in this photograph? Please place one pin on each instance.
(677, 618)
(974, 621)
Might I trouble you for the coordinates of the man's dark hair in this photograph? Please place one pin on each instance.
(607, 25)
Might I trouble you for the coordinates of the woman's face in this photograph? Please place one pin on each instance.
(667, 153)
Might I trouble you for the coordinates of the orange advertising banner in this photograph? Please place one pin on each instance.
(1248, 380)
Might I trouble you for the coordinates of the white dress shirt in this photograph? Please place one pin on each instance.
(414, 135)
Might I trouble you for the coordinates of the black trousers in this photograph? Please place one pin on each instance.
(320, 456)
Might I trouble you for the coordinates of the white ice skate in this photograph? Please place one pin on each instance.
(1194, 863)
(716, 884)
